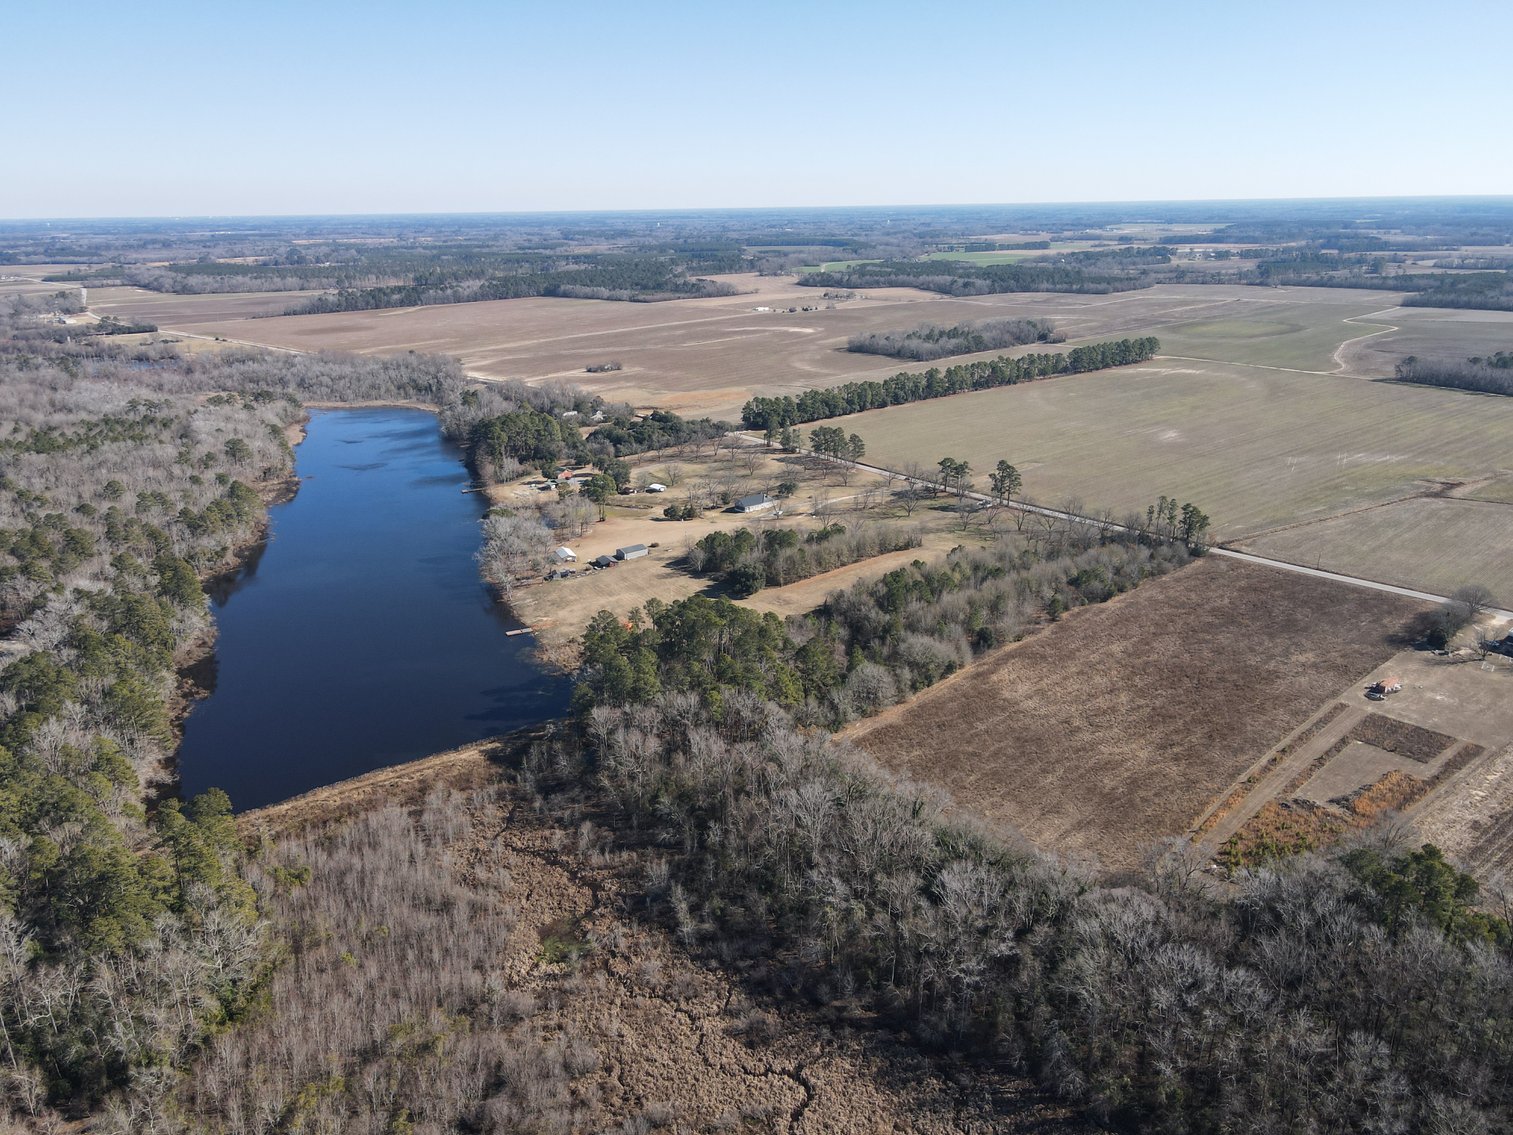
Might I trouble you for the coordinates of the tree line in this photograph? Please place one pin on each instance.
(932, 341)
(641, 279)
(1491, 375)
(528, 436)
(872, 645)
(963, 278)
(773, 414)
(746, 561)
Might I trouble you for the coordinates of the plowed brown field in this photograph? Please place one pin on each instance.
(1119, 725)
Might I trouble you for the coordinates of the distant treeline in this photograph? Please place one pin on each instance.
(747, 561)
(1492, 375)
(960, 278)
(932, 341)
(1489, 291)
(639, 279)
(854, 397)
(1005, 246)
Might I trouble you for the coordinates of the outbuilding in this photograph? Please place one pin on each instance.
(631, 552)
(656, 487)
(756, 502)
(602, 562)
(565, 556)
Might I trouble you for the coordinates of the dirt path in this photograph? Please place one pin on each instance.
(1358, 320)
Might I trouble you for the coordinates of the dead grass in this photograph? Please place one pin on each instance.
(651, 1039)
(1401, 737)
(1122, 723)
(1230, 802)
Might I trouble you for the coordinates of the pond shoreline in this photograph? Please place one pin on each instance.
(365, 638)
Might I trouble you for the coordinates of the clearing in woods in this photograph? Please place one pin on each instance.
(1119, 725)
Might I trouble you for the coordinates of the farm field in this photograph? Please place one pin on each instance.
(140, 305)
(1439, 752)
(707, 356)
(1119, 725)
(1435, 333)
(1433, 544)
(1010, 256)
(1256, 448)
(1299, 336)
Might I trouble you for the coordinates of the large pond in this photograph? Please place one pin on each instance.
(360, 636)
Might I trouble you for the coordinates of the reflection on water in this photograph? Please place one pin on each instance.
(360, 636)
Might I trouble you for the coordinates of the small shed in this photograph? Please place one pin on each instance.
(631, 552)
(756, 502)
(602, 562)
(565, 555)
(1389, 685)
(656, 487)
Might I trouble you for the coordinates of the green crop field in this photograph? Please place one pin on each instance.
(1302, 336)
(1257, 448)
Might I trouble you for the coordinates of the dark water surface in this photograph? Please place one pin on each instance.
(361, 636)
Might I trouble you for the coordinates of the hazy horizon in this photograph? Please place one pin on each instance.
(187, 110)
(691, 210)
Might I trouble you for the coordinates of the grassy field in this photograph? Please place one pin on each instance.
(1119, 725)
(1010, 256)
(1439, 334)
(1433, 544)
(1256, 448)
(1300, 336)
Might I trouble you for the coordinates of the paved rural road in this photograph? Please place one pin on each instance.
(1283, 565)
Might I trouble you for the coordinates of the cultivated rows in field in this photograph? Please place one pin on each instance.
(1120, 725)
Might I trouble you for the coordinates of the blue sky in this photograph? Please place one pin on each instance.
(162, 109)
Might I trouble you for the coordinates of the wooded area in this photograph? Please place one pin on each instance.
(773, 414)
(930, 341)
